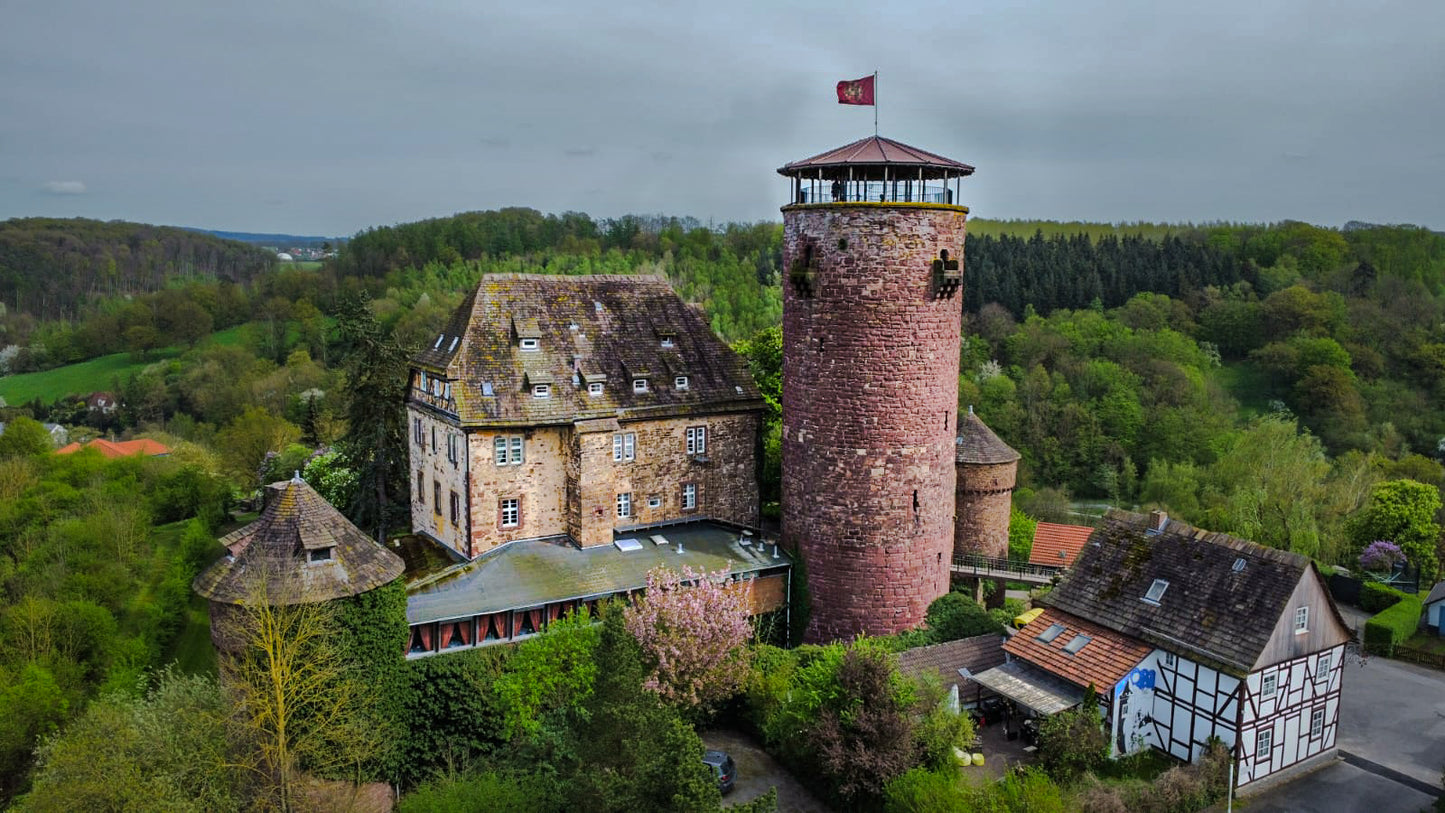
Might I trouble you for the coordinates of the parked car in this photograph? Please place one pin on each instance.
(723, 768)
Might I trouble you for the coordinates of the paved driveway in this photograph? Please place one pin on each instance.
(757, 771)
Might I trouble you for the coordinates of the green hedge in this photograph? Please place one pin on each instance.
(1392, 626)
(1376, 596)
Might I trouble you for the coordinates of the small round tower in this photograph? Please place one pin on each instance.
(300, 550)
(872, 253)
(987, 472)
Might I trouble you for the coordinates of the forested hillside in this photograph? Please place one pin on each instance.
(50, 268)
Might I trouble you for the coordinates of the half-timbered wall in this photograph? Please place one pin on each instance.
(1301, 687)
(1192, 702)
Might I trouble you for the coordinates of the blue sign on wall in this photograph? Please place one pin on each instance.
(1141, 678)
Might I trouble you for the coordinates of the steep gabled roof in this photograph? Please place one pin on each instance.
(1437, 593)
(1058, 545)
(270, 557)
(620, 327)
(1103, 660)
(1224, 595)
(977, 444)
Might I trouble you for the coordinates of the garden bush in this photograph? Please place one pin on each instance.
(1072, 742)
(1392, 626)
(1375, 596)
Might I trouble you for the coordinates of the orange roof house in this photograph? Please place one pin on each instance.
(119, 448)
(1057, 545)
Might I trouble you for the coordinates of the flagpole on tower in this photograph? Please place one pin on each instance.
(875, 104)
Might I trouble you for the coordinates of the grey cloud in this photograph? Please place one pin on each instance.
(64, 187)
(370, 113)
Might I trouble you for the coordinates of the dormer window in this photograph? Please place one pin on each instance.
(530, 344)
(594, 389)
(680, 382)
(666, 341)
(541, 390)
(639, 385)
(1156, 591)
(320, 554)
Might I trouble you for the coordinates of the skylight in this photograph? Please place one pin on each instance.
(1156, 591)
(1078, 643)
(1051, 633)
(625, 545)
(487, 388)
(1239, 565)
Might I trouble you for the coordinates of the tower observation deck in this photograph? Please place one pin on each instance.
(872, 251)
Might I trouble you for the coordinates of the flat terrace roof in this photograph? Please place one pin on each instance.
(533, 572)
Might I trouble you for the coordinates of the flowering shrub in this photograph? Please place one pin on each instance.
(1381, 555)
(694, 628)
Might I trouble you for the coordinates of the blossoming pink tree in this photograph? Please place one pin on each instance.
(694, 628)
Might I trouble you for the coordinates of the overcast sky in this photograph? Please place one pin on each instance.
(327, 117)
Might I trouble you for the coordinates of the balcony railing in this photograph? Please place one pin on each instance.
(905, 191)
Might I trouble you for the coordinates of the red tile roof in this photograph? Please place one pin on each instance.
(1106, 659)
(877, 151)
(1051, 539)
(118, 448)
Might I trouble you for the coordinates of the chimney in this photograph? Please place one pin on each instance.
(1157, 521)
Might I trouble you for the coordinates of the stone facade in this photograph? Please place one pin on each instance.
(568, 481)
(983, 498)
(870, 403)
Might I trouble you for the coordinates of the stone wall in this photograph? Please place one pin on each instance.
(539, 482)
(870, 401)
(435, 467)
(982, 504)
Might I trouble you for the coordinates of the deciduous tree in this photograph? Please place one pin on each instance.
(693, 627)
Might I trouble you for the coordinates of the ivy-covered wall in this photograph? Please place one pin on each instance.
(374, 635)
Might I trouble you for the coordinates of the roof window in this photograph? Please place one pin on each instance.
(594, 389)
(1156, 591)
(1051, 633)
(530, 344)
(440, 338)
(1078, 643)
(453, 345)
(680, 382)
(639, 385)
(487, 389)
(541, 390)
(1239, 565)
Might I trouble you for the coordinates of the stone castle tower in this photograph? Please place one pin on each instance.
(987, 472)
(300, 550)
(872, 250)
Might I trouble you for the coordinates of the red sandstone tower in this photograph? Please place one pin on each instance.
(987, 471)
(872, 250)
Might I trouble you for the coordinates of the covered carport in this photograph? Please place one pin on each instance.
(1032, 688)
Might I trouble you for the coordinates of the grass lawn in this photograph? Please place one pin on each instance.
(1427, 642)
(1248, 384)
(82, 378)
(192, 650)
(104, 373)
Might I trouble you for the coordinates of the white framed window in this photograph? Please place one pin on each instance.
(1317, 723)
(541, 390)
(680, 382)
(1301, 620)
(666, 341)
(594, 389)
(416, 433)
(654, 501)
(447, 390)
(511, 512)
(436, 387)
(1322, 667)
(1268, 685)
(639, 385)
(454, 448)
(530, 344)
(507, 451)
(1169, 660)
(1156, 591)
(624, 505)
(697, 440)
(421, 385)
(689, 496)
(624, 447)
(1263, 744)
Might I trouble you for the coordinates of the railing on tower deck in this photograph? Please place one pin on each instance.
(893, 191)
(972, 564)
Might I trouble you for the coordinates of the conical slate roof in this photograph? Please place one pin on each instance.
(300, 550)
(977, 444)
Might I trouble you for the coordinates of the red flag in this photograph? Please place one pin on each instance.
(858, 91)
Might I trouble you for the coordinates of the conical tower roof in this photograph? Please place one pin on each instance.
(300, 550)
(877, 151)
(977, 444)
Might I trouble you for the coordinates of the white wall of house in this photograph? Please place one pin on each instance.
(1180, 704)
(1290, 713)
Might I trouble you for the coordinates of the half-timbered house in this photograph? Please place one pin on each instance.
(1188, 635)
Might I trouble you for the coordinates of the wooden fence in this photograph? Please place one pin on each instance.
(1434, 660)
